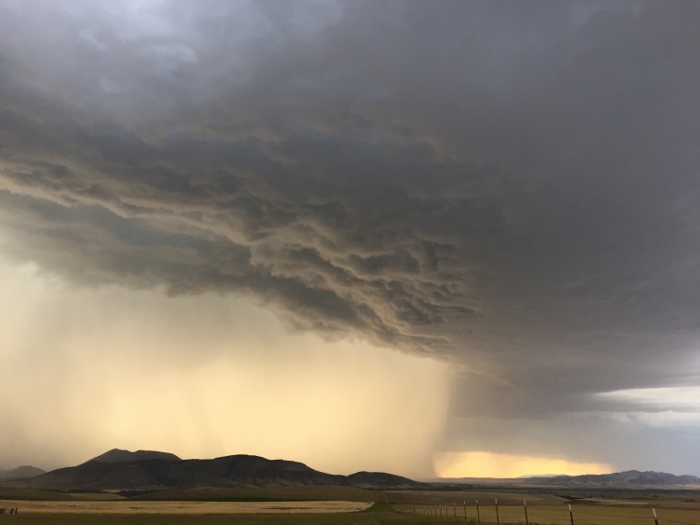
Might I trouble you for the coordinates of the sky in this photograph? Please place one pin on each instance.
(439, 239)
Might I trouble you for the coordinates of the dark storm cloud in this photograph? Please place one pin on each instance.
(511, 185)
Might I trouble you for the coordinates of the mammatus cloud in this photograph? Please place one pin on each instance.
(507, 187)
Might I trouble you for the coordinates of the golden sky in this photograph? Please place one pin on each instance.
(482, 464)
(202, 377)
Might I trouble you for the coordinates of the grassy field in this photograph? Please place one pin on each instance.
(380, 516)
(583, 514)
(300, 493)
(302, 506)
(340, 519)
(197, 508)
(441, 497)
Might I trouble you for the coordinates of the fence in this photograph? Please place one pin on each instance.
(480, 514)
(8, 511)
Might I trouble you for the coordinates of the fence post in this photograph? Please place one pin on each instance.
(465, 510)
(478, 515)
(571, 514)
(498, 519)
(656, 520)
(525, 508)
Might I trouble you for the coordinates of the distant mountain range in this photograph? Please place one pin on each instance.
(629, 478)
(24, 471)
(148, 470)
(122, 470)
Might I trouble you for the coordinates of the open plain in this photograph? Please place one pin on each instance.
(198, 508)
(298, 506)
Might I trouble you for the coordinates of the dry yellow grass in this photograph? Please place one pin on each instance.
(609, 514)
(440, 497)
(183, 507)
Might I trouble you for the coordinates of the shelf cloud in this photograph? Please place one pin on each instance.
(508, 189)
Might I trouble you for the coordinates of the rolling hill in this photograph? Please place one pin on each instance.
(121, 470)
(24, 471)
(629, 478)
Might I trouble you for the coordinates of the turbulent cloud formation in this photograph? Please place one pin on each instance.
(509, 187)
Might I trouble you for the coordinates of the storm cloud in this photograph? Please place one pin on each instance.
(508, 187)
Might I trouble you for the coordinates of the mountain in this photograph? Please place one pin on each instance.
(380, 480)
(629, 478)
(122, 470)
(123, 456)
(25, 471)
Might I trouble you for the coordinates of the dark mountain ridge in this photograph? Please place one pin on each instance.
(117, 455)
(148, 470)
(119, 470)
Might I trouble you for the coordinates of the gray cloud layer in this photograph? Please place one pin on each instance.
(511, 186)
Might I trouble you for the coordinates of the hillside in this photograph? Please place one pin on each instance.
(122, 456)
(24, 471)
(629, 478)
(119, 470)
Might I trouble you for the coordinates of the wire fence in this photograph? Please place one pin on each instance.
(492, 513)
